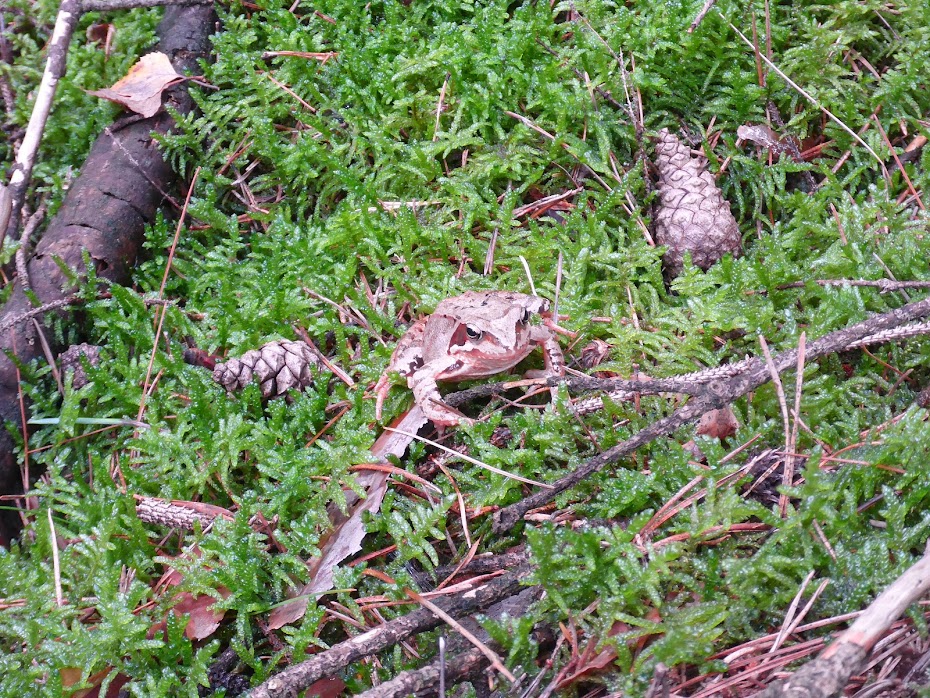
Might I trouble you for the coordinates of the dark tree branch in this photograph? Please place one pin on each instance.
(121, 187)
(297, 678)
(108, 5)
(717, 394)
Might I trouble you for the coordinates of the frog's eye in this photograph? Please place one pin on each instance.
(526, 317)
(473, 334)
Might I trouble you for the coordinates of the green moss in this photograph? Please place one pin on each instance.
(289, 200)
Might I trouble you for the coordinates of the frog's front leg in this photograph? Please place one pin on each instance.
(426, 393)
(407, 359)
(552, 354)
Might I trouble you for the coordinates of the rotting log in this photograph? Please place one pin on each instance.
(123, 183)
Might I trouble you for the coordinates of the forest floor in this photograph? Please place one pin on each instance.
(349, 167)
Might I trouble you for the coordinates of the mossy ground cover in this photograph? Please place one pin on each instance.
(289, 207)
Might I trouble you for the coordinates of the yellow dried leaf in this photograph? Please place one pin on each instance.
(141, 88)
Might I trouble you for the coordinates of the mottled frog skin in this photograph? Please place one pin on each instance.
(477, 334)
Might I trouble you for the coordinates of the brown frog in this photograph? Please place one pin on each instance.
(477, 334)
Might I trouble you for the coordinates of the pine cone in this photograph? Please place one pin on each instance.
(71, 361)
(693, 215)
(278, 367)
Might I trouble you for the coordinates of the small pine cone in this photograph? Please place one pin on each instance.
(278, 367)
(71, 361)
(693, 216)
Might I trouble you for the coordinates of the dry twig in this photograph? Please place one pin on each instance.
(715, 395)
(68, 13)
(298, 677)
(829, 673)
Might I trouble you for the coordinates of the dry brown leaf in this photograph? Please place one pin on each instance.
(348, 530)
(330, 687)
(718, 424)
(140, 90)
(204, 619)
(70, 676)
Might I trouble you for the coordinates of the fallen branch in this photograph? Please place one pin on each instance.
(121, 187)
(716, 394)
(427, 678)
(830, 672)
(69, 12)
(300, 676)
(109, 5)
(695, 383)
(464, 665)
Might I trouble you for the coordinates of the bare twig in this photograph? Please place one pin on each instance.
(621, 389)
(621, 61)
(54, 305)
(69, 11)
(418, 681)
(21, 173)
(717, 395)
(56, 565)
(791, 446)
(829, 673)
(578, 74)
(883, 285)
(107, 5)
(440, 107)
(464, 632)
(702, 13)
(147, 387)
(298, 677)
(178, 514)
(22, 272)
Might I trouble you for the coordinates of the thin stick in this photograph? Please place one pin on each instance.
(468, 458)
(291, 92)
(161, 292)
(788, 473)
(483, 648)
(829, 673)
(717, 395)
(621, 61)
(699, 17)
(68, 13)
(897, 160)
(789, 615)
(529, 274)
(326, 663)
(786, 419)
(56, 565)
(53, 305)
(439, 106)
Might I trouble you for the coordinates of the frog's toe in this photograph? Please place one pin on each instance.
(442, 415)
